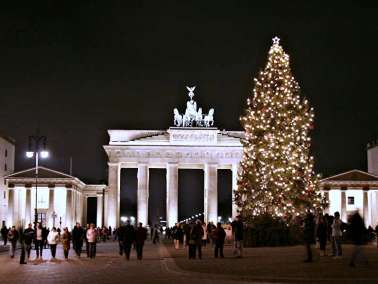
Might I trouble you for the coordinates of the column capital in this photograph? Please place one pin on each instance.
(113, 164)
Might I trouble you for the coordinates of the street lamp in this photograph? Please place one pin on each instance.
(37, 148)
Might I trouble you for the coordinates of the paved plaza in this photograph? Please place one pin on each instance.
(164, 264)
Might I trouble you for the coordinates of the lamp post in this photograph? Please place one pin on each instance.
(35, 150)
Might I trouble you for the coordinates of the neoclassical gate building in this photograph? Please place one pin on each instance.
(192, 144)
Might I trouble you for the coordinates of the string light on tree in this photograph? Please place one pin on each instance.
(277, 171)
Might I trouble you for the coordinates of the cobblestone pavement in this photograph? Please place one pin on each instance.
(107, 267)
(283, 264)
(164, 264)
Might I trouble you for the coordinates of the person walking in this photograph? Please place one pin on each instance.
(53, 239)
(309, 235)
(238, 233)
(195, 240)
(358, 233)
(336, 236)
(177, 234)
(140, 237)
(4, 234)
(128, 239)
(13, 238)
(66, 242)
(38, 240)
(321, 233)
(91, 237)
(28, 239)
(120, 235)
(219, 235)
(78, 236)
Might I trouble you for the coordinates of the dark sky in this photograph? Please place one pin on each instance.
(77, 68)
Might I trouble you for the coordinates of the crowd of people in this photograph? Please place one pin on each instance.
(326, 231)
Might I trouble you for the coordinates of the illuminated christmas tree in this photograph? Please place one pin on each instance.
(276, 174)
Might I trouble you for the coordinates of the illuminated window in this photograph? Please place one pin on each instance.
(350, 200)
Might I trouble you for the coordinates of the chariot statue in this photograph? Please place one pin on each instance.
(193, 117)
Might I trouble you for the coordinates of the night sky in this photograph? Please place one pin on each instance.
(74, 69)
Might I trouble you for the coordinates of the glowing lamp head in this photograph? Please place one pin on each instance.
(29, 154)
(44, 154)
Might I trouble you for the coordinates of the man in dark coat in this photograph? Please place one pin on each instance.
(128, 237)
(140, 237)
(358, 234)
(218, 236)
(309, 234)
(238, 233)
(28, 239)
(4, 234)
(78, 236)
(195, 240)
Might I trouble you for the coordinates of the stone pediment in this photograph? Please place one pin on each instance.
(42, 173)
(353, 175)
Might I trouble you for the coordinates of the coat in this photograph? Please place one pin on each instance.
(53, 238)
(196, 234)
(140, 235)
(66, 240)
(219, 234)
(309, 229)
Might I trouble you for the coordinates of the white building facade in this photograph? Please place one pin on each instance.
(60, 199)
(7, 155)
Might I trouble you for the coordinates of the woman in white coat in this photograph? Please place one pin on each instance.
(52, 239)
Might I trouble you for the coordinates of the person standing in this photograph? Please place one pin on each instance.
(22, 243)
(321, 233)
(309, 235)
(38, 240)
(78, 236)
(91, 239)
(66, 242)
(13, 238)
(4, 235)
(52, 239)
(219, 235)
(195, 240)
(140, 237)
(238, 233)
(128, 239)
(177, 234)
(28, 239)
(358, 233)
(336, 236)
(120, 235)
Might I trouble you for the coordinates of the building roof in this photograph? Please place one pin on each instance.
(42, 173)
(353, 175)
(7, 138)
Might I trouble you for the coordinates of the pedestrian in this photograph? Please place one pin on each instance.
(53, 239)
(219, 235)
(66, 242)
(38, 240)
(177, 235)
(22, 244)
(156, 233)
(321, 233)
(309, 235)
(204, 237)
(120, 234)
(91, 236)
(195, 240)
(140, 237)
(28, 239)
(238, 233)
(4, 234)
(78, 236)
(336, 236)
(45, 233)
(13, 238)
(358, 233)
(128, 239)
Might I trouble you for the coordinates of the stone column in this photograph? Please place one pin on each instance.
(10, 218)
(113, 196)
(234, 187)
(28, 214)
(51, 210)
(172, 194)
(84, 215)
(69, 208)
(142, 194)
(365, 207)
(211, 193)
(343, 213)
(99, 210)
